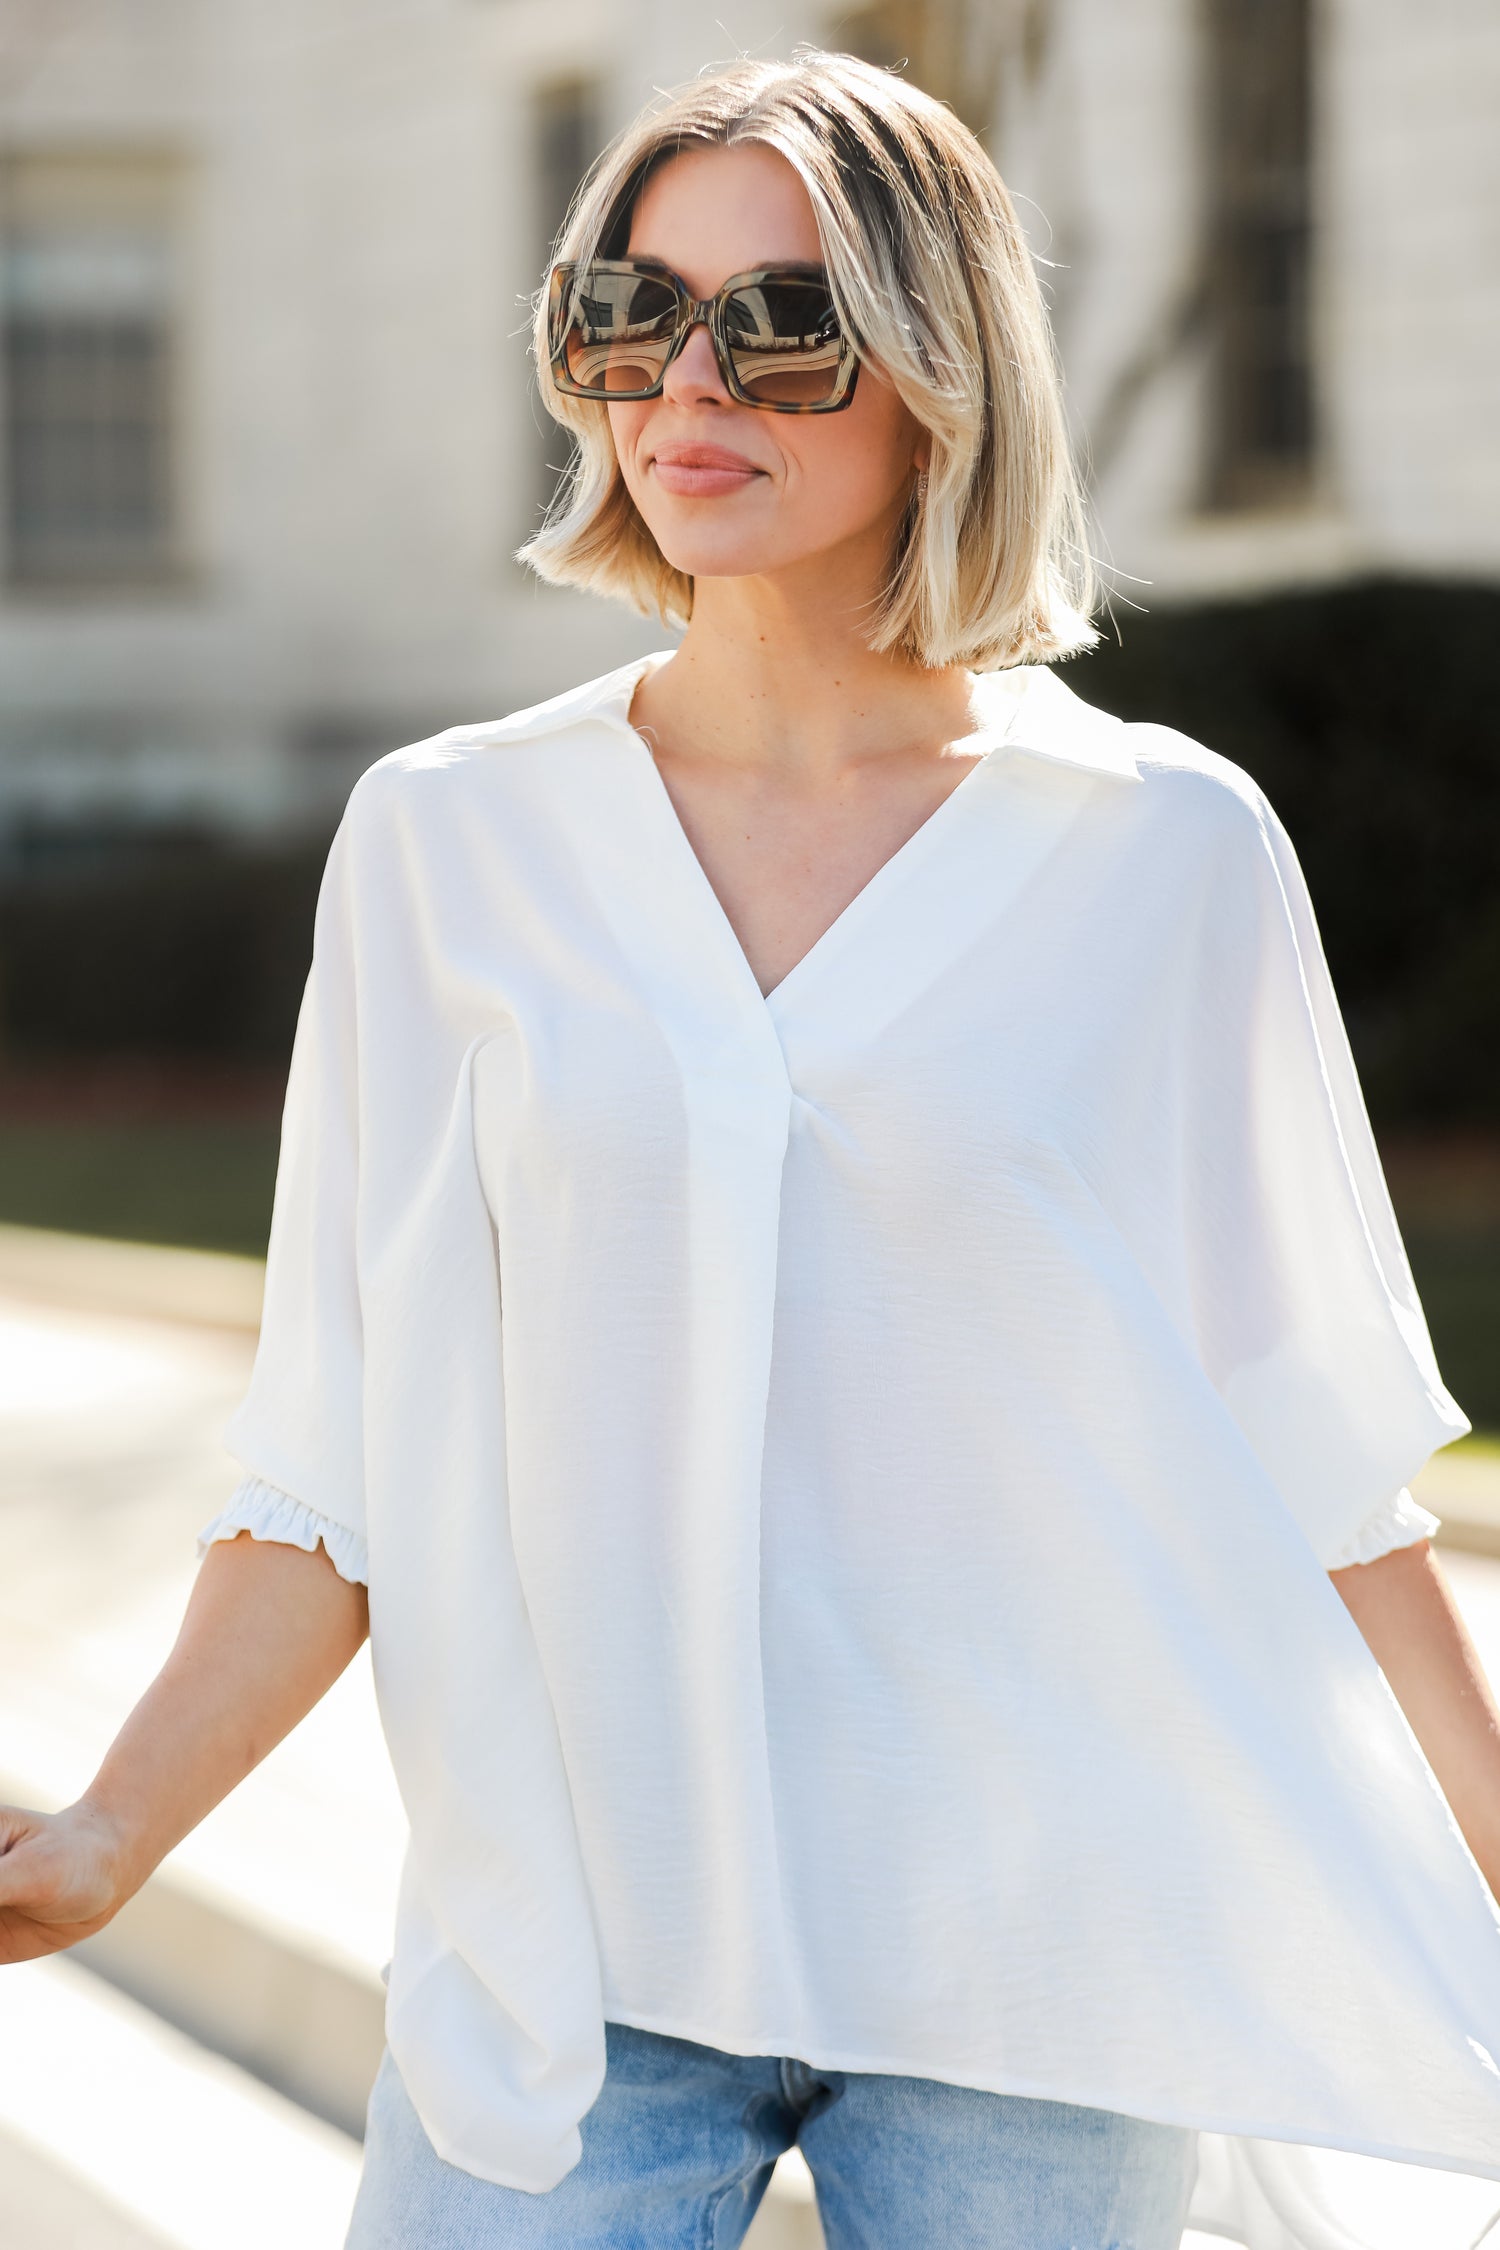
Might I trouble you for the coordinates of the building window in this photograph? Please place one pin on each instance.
(1262, 423)
(88, 314)
(566, 137)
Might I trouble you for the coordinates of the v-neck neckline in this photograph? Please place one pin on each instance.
(864, 901)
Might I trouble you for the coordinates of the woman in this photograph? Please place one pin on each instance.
(831, 1286)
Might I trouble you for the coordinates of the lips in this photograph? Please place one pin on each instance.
(697, 471)
(685, 456)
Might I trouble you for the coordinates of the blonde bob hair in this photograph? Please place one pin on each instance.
(935, 288)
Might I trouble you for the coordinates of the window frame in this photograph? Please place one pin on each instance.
(74, 201)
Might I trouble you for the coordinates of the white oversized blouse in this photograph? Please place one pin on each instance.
(846, 1479)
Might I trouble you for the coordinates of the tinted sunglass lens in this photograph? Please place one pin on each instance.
(785, 342)
(617, 329)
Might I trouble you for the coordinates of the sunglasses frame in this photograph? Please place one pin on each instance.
(690, 310)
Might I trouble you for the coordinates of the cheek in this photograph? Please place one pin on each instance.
(850, 466)
(625, 426)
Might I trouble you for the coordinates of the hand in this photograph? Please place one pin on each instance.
(60, 1878)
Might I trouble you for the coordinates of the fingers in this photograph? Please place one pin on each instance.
(17, 1827)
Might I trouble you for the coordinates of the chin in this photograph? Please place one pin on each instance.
(711, 558)
(726, 555)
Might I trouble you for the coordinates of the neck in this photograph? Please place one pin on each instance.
(774, 675)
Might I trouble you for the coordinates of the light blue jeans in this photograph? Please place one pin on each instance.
(678, 2150)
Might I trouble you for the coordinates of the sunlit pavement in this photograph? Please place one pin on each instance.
(119, 2133)
(265, 1933)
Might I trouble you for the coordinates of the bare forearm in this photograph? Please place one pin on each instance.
(1404, 1608)
(267, 1631)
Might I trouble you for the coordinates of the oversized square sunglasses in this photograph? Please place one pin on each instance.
(614, 327)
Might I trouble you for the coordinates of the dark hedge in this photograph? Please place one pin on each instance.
(171, 945)
(1368, 715)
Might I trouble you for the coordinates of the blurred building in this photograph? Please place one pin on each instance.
(268, 437)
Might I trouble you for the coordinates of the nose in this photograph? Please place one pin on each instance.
(694, 374)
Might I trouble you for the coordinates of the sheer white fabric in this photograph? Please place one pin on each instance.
(849, 1477)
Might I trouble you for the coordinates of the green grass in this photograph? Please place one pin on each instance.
(204, 1183)
(1457, 1271)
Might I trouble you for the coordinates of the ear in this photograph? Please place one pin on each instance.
(921, 453)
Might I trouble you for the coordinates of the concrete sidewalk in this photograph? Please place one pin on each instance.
(263, 1935)
(118, 2133)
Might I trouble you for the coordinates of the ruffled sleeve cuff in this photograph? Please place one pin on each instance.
(1396, 1523)
(268, 1513)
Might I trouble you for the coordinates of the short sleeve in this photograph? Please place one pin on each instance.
(1308, 1320)
(1401, 1522)
(259, 1509)
(299, 1429)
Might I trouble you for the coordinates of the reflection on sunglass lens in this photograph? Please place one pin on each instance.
(619, 329)
(614, 329)
(785, 342)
